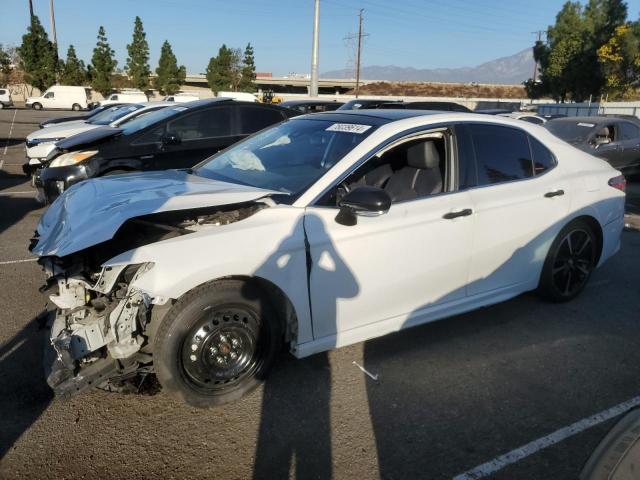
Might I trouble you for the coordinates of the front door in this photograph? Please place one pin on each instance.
(391, 267)
(630, 138)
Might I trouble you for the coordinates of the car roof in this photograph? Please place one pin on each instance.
(370, 117)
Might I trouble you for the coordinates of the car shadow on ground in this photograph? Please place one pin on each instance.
(10, 142)
(24, 393)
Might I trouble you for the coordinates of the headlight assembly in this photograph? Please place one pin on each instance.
(72, 158)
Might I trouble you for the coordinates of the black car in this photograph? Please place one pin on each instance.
(365, 104)
(436, 105)
(174, 137)
(614, 139)
(84, 117)
(312, 106)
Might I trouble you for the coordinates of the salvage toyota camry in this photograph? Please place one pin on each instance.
(322, 231)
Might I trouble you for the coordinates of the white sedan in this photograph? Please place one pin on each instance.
(40, 144)
(322, 231)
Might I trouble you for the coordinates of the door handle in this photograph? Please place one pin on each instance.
(460, 213)
(556, 193)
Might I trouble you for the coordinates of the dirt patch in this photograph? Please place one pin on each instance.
(425, 89)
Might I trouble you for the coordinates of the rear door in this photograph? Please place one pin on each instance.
(196, 135)
(520, 202)
(630, 139)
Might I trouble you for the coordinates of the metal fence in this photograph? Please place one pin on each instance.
(590, 109)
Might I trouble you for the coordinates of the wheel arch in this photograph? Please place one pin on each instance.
(594, 224)
(279, 300)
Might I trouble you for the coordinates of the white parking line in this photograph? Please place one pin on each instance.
(9, 137)
(10, 262)
(530, 448)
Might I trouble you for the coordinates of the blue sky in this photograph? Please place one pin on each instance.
(417, 33)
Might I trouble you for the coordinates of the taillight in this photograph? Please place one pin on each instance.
(618, 182)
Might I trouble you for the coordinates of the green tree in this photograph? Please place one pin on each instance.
(73, 71)
(169, 75)
(569, 61)
(620, 61)
(138, 61)
(219, 74)
(102, 64)
(248, 73)
(38, 57)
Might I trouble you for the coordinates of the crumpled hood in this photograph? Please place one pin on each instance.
(92, 211)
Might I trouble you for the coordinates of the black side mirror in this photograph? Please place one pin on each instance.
(171, 139)
(362, 201)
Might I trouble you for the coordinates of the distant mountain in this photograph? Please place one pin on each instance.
(507, 70)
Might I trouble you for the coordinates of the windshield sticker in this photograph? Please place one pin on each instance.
(348, 128)
(590, 125)
(179, 109)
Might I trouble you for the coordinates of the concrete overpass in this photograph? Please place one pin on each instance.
(328, 86)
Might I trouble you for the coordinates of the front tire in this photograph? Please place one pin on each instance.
(37, 106)
(1, 105)
(217, 343)
(569, 263)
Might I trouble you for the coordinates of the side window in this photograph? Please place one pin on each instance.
(543, 159)
(253, 119)
(502, 154)
(415, 168)
(467, 172)
(49, 95)
(210, 123)
(629, 131)
(152, 136)
(3, 92)
(114, 97)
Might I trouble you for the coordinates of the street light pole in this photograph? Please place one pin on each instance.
(313, 89)
(53, 26)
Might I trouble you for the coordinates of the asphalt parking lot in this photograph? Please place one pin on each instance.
(450, 396)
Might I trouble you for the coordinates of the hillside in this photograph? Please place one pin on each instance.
(426, 89)
(512, 70)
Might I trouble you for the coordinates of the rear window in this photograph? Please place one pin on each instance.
(502, 154)
(543, 159)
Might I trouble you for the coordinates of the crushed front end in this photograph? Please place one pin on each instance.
(97, 333)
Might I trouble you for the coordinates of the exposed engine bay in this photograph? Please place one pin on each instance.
(101, 333)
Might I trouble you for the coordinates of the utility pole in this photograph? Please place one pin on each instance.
(358, 49)
(535, 67)
(313, 88)
(30, 9)
(53, 26)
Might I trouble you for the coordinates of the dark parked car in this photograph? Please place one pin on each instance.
(85, 117)
(439, 106)
(493, 111)
(312, 106)
(365, 104)
(173, 137)
(614, 139)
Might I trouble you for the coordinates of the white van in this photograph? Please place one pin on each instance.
(61, 97)
(125, 97)
(5, 98)
(242, 96)
(182, 97)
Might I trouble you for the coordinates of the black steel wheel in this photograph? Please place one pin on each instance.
(570, 262)
(217, 343)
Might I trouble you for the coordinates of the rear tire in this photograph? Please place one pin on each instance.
(1, 105)
(217, 343)
(37, 106)
(569, 263)
(75, 107)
